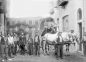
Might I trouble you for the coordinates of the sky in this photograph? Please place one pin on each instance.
(29, 8)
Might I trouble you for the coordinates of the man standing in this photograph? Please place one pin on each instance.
(37, 44)
(30, 45)
(15, 43)
(60, 46)
(22, 41)
(3, 47)
(72, 35)
(10, 45)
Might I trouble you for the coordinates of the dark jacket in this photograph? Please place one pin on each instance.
(2, 41)
(22, 40)
(58, 41)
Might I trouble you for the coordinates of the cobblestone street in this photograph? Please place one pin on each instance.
(74, 57)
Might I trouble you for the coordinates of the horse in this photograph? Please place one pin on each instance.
(69, 39)
(50, 39)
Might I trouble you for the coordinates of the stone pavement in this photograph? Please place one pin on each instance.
(27, 58)
(74, 57)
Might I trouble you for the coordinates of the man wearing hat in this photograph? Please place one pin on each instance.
(3, 47)
(10, 45)
(60, 46)
(37, 44)
(22, 42)
(15, 43)
(30, 45)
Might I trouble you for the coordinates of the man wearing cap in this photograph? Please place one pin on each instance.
(3, 50)
(22, 43)
(60, 46)
(30, 45)
(10, 45)
(15, 43)
(37, 44)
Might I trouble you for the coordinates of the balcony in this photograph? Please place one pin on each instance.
(62, 2)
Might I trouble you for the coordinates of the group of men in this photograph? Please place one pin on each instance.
(32, 45)
(12, 43)
(8, 45)
(28, 44)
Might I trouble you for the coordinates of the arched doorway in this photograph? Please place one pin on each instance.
(79, 20)
(80, 30)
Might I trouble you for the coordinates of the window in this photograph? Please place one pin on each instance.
(79, 14)
(30, 22)
(36, 22)
(65, 23)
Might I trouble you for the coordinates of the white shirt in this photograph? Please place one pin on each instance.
(0, 38)
(15, 38)
(65, 36)
(10, 40)
(36, 39)
(60, 39)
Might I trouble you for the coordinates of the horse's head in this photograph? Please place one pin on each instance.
(43, 32)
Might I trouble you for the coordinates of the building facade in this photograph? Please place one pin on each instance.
(71, 15)
(3, 12)
(30, 25)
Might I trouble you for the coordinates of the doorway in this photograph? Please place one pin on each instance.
(80, 34)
